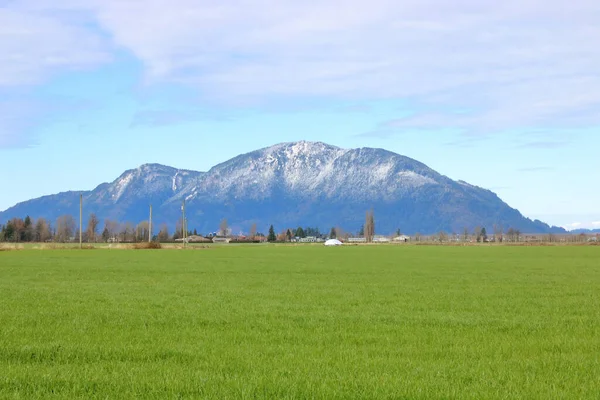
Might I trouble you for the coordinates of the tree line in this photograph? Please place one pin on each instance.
(65, 229)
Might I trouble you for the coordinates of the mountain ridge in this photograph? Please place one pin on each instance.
(291, 184)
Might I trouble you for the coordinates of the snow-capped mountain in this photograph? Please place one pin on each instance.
(294, 184)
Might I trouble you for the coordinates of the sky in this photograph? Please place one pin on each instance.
(504, 95)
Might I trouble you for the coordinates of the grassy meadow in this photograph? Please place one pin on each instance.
(278, 322)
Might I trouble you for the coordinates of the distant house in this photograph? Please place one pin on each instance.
(402, 238)
(311, 239)
(380, 239)
(357, 240)
(194, 239)
(198, 239)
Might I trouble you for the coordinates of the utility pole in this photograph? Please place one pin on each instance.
(150, 226)
(80, 220)
(183, 222)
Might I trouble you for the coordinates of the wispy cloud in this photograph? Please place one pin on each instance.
(516, 63)
(35, 43)
(511, 64)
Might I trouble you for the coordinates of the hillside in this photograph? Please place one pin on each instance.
(293, 184)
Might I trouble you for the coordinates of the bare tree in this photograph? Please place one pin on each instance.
(127, 232)
(92, 227)
(477, 233)
(465, 234)
(178, 234)
(252, 233)
(163, 234)
(341, 233)
(511, 234)
(224, 228)
(141, 231)
(282, 236)
(498, 233)
(42, 232)
(443, 236)
(65, 228)
(111, 228)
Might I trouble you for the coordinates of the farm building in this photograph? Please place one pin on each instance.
(311, 239)
(380, 239)
(357, 240)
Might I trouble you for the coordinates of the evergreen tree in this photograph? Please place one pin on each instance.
(8, 231)
(333, 234)
(27, 235)
(309, 231)
(288, 235)
(271, 237)
(483, 234)
(105, 234)
(300, 232)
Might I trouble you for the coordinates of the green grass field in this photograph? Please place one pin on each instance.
(301, 322)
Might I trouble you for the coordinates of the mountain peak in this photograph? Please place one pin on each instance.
(295, 183)
(302, 147)
(305, 144)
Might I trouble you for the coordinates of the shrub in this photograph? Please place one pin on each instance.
(147, 246)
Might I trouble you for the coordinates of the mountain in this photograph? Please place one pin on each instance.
(290, 185)
(586, 231)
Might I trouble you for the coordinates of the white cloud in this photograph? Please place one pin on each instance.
(582, 225)
(510, 64)
(34, 44)
(574, 225)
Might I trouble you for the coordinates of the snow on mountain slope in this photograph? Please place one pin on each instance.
(291, 184)
(308, 170)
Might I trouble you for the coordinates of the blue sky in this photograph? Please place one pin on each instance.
(504, 96)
